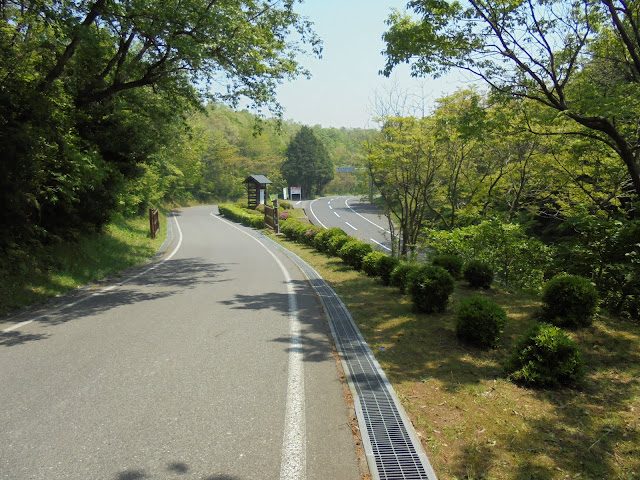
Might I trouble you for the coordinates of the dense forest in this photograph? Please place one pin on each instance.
(106, 109)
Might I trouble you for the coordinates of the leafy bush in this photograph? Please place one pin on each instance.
(371, 263)
(479, 322)
(545, 357)
(430, 288)
(451, 263)
(607, 251)
(399, 275)
(321, 241)
(479, 274)
(300, 230)
(353, 251)
(517, 259)
(335, 243)
(569, 301)
(310, 235)
(243, 216)
(289, 228)
(385, 267)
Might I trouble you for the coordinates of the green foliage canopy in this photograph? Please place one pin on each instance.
(576, 57)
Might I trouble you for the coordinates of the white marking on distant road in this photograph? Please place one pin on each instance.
(293, 461)
(378, 243)
(314, 215)
(337, 215)
(346, 202)
(102, 290)
(351, 226)
(330, 207)
(298, 202)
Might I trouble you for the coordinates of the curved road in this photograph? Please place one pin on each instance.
(212, 363)
(357, 218)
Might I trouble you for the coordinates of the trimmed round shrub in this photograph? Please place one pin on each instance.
(479, 322)
(371, 263)
(451, 263)
(321, 241)
(430, 288)
(479, 274)
(309, 235)
(353, 251)
(399, 275)
(569, 301)
(335, 243)
(545, 358)
(290, 227)
(385, 267)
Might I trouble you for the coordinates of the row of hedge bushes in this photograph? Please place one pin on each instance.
(544, 357)
(241, 215)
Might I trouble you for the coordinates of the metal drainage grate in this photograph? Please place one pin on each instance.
(392, 448)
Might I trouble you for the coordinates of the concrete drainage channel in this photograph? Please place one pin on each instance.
(390, 442)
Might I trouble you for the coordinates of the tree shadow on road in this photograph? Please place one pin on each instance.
(174, 469)
(314, 330)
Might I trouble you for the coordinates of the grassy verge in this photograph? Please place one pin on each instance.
(473, 423)
(56, 269)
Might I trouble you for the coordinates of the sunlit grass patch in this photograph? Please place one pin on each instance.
(472, 421)
(61, 267)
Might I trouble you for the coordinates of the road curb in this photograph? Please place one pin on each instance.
(391, 444)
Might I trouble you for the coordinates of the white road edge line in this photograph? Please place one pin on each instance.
(314, 215)
(378, 243)
(346, 202)
(351, 226)
(102, 290)
(293, 461)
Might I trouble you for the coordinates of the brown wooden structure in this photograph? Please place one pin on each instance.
(256, 183)
(272, 217)
(154, 222)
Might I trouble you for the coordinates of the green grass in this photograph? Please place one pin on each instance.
(473, 423)
(58, 268)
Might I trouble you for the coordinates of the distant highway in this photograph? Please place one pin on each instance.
(359, 219)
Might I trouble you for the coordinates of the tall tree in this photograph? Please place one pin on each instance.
(91, 92)
(308, 164)
(403, 165)
(578, 57)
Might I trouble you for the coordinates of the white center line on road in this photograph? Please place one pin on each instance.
(330, 207)
(351, 226)
(102, 290)
(293, 461)
(337, 215)
(346, 202)
(378, 243)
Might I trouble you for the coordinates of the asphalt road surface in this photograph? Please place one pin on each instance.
(357, 218)
(212, 363)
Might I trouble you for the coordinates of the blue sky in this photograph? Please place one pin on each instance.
(342, 89)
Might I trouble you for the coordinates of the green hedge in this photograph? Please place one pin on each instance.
(545, 358)
(480, 321)
(371, 263)
(353, 251)
(430, 288)
(321, 240)
(242, 216)
(569, 301)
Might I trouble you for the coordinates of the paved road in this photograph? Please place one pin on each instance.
(357, 218)
(215, 364)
